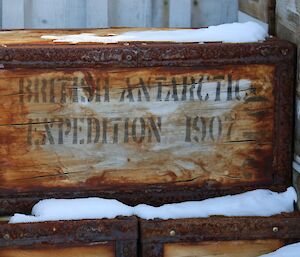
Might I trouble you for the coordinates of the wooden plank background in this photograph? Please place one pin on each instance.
(262, 11)
(108, 13)
(288, 27)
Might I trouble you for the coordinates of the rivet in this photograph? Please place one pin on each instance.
(6, 236)
(128, 57)
(284, 52)
(275, 229)
(54, 229)
(172, 233)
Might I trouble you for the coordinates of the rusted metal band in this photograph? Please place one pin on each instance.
(143, 55)
(221, 228)
(68, 232)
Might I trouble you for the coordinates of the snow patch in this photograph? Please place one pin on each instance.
(227, 33)
(74, 209)
(259, 202)
(253, 203)
(292, 250)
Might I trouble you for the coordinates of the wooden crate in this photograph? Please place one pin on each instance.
(88, 238)
(142, 122)
(218, 236)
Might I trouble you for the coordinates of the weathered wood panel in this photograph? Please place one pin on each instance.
(103, 13)
(288, 27)
(241, 248)
(102, 250)
(214, 12)
(78, 238)
(263, 10)
(218, 236)
(180, 13)
(55, 14)
(12, 14)
(256, 8)
(89, 128)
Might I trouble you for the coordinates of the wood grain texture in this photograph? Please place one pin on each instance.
(12, 14)
(213, 12)
(89, 128)
(242, 248)
(263, 10)
(288, 27)
(99, 250)
(255, 8)
(34, 36)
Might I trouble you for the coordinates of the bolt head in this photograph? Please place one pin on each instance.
(172, 233)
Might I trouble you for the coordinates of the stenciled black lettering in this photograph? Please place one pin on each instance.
(127, 91)
(104, 131)
(115, 122)
(106, 90)
(159, 88)
(229, 88)
(36, 90)
(142, 131)
(144, 90)
(75, 131)
(48, 125)
(155, 128)
(212, 128)
(199, 89)
(218, 88)
(184, 89)
(75, 90)
(126, 130)
(44, 90)
(188, 125)
(196, 127)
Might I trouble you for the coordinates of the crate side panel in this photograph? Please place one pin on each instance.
(89, 128)
(104, 249)
(241, 248)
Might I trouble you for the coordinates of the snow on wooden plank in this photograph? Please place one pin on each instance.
(253, 203)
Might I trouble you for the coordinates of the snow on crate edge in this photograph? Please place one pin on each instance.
(292, 250)
(259, 202)
(227, 33)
